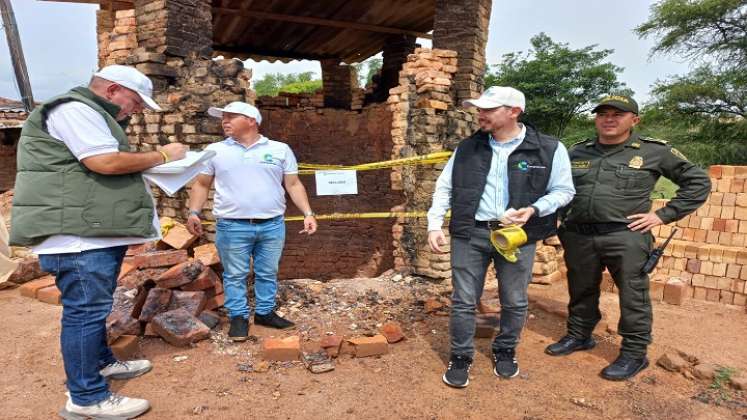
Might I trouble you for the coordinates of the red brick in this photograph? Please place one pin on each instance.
(120, 321)
(141, 248)
(180, 274)
(331, 344)
(31, 288)
(714, 171)
(193, 302)
(178, 237)
(161, 258)
(433, 305)
(207, 253)
(281, 349)
(156, 302)
(125, 347)
(137, 278)
(370, 346)
(713, 295)
(49, 295)
(548, 279)
(675, 292)
(148, 331)
(486, 326)
(215, 302)
(180, 328)
(656, 289)
(392, 331)
(28, 269)
(205, 280)
(209, 318)
(126, 269)
(693, 266)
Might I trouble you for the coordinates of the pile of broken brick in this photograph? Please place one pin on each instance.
(166, 288)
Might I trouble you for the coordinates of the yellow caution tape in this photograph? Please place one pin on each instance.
(431, 158)
(507, 241)
(166, 224)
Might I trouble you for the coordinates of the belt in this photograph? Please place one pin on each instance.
(595, 228)
(252, 221)
(489, 224)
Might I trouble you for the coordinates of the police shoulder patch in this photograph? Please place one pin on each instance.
(653, 140)
(579, 143)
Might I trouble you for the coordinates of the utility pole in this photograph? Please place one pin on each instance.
(16, 54)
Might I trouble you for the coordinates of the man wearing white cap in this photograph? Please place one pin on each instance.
(79, 202)
(505, 173)
(249, 171)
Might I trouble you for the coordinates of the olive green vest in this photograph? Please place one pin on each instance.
(55, 194)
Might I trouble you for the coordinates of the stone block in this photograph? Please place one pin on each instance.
(180, 274)
(392, 331)
(50, 295)
(281, 349)
(178, 237)
(193, 302)
(369, 346)
(207, 254)
(318, 362)
(125, 347)
(206, 280)
(156, 302)
(675, 291)
(161, 258)
(180, 328)
(31, 288)
(705, 371)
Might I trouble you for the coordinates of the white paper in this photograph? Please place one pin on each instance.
(338, 182)
(172, 176)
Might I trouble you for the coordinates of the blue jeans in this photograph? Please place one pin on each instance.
(237, 242)
(469, 263)
(87, 281)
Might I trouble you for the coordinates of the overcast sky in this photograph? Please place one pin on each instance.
(59, 41)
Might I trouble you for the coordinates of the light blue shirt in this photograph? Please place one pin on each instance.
(495, 197)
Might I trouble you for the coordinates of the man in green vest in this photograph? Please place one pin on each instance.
(608, 225)
(79, 202)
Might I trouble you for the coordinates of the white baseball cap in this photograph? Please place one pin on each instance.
(242, 108)
(496, 96)
(132, 79)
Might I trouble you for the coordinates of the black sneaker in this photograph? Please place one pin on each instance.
(239, 330)
(505, 363)
(568, 345)
(624, 367)
(457, 374)
(272, 320)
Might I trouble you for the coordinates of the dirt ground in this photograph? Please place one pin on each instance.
(220, 380)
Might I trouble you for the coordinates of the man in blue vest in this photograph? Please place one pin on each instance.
(505, 173)
(79, 202)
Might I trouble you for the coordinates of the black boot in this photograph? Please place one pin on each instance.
(568, 345)
(624, 367)
(457, 374)
(239, 330)
(272, 320)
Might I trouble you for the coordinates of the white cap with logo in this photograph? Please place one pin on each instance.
(496, 96)
(242, 108)
(132, 79)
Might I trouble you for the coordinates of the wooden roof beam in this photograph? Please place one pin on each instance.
(307, 20)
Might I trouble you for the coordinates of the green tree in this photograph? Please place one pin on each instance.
(273, 83)
(367, 69)
(559, 83)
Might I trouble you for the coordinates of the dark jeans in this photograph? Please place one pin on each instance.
(87, 281)
(623, 253)
(469, 264)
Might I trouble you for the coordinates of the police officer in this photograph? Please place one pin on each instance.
(608, 224)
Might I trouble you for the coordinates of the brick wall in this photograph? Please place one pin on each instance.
(8, 141)
(340, 85)
(344, 248)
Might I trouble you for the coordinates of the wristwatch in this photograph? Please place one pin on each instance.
(309, 213)
(196, 213)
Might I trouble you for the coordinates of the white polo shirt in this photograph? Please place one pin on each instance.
(249, 180)
(85, 132)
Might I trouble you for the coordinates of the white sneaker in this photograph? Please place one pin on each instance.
(126, 370)
(116, 407)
